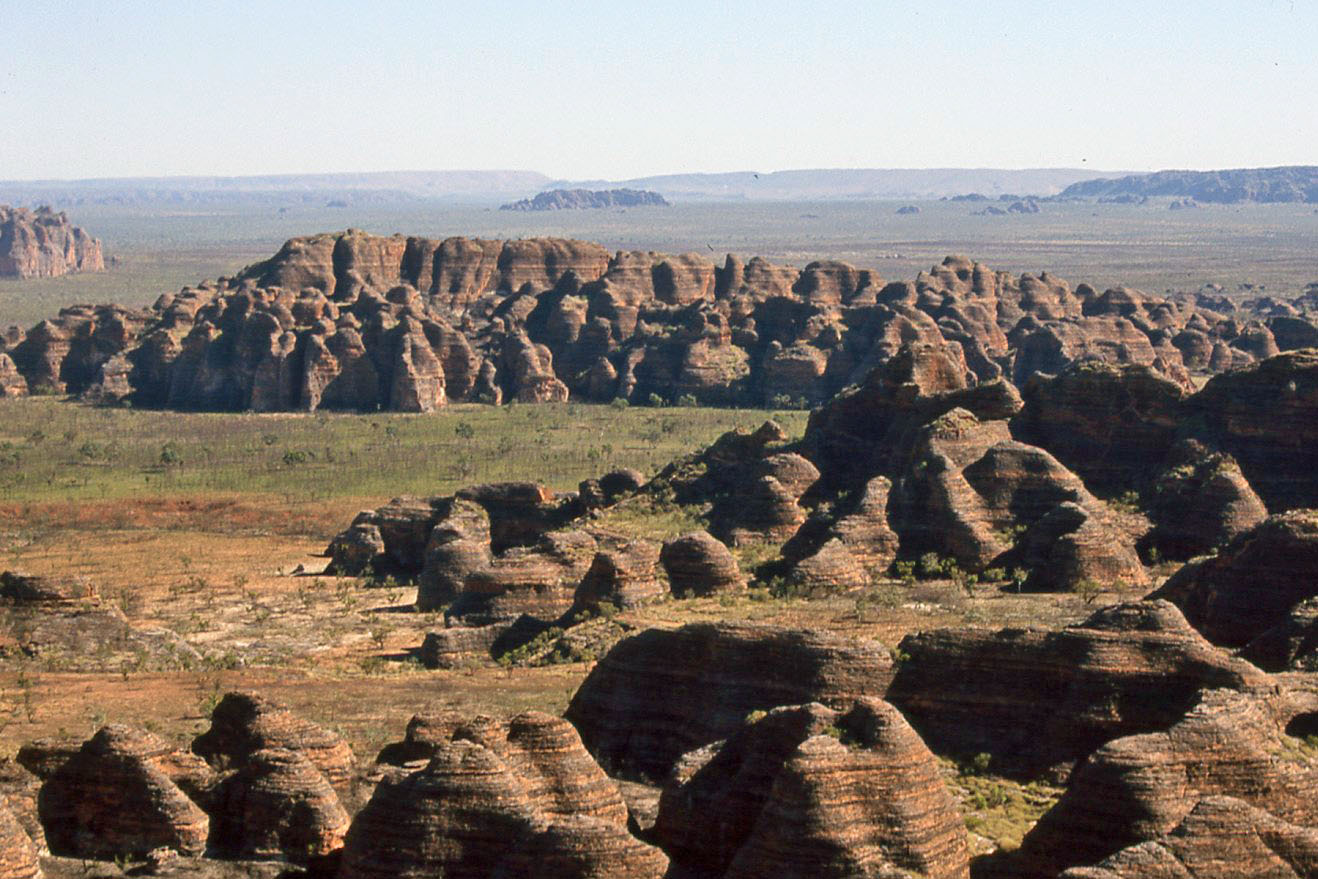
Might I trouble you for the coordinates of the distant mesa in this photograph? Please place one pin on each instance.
(908, 209)
(44, 244)
(578, 199)
(1297, 183)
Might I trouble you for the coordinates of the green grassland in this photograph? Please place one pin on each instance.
(62, 450)
(1146, 246)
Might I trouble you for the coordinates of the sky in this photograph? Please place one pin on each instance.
(616, 89)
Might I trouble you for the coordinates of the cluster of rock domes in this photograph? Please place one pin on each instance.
(356, 321)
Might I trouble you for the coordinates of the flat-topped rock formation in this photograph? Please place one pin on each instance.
(44, 244)
(579, 199)
(357, 321)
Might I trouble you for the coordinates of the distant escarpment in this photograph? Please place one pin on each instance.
(360, 322)
(1285, 184)
(43, 244)
(574, 199)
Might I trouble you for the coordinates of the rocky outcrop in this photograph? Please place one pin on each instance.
(243, 724)
(810, 791)
(278, 805)
(493, 799)
(970, 490)
(697, 564)
(539, 580)
(868, 430)
(1200, 502)
(1036, 700)
(1112, 424)
(712, 676)
(12, 383)
(580, 847)
(558, 775)
(44, 244)
(1221, 838)
(361, 322)
(458, 545)
(1266, 417)
(125, 792)
(624, 577)
(1291, 644)
(441, 540)
(455, 818)
(576, 199)
(18, 856)
(67, 353)
(845, 545)
(1253, 583)
(1138, 789)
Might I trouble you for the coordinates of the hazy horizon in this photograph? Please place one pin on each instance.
(594, 91)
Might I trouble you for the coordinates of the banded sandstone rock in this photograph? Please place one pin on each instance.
(1221, 838)
(970, 489)
(1266, 417)
(121, 795)
(1139, 788)
(782, 795)
(457, 546)
(455, 818)
(497, 799)
(1037, 700)
(1253, 583)
(278, 805)
(244, 723)
(624, 577)
(1201, 501)
(580, 847)
(12, 383)
(712, 676)
(698, 564)
(538, 580)
(1112, 424)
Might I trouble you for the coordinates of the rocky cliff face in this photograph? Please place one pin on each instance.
(43, 244)
(357, 321)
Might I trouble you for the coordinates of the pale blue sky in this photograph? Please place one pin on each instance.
(617, 89)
